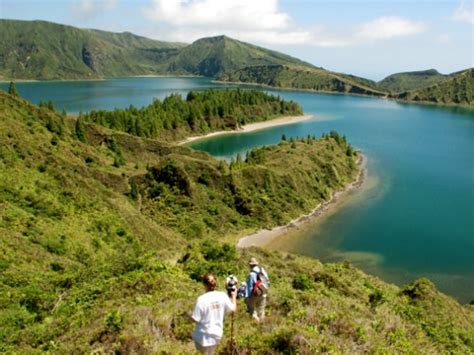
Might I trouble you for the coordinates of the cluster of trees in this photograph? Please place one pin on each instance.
(200, 112)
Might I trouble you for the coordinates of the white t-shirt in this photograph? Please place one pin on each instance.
(209, 316)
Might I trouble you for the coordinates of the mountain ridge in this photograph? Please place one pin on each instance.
(45, 50)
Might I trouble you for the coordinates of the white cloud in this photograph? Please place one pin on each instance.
(263, 22)
(464, 13)
(90, 8)
(388, 27)
(230, 14)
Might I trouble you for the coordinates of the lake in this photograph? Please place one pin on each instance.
(414, 216)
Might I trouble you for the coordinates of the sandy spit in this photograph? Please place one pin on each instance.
(265, 236)
(253, 127)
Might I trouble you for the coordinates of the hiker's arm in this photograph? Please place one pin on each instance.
(196, 315)
(250, 283)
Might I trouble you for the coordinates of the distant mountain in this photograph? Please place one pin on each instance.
(44, 50)
(457, 89)
(411, 80)
(214, 56)
(303, 77)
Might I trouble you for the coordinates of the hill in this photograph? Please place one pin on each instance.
(302, 77)
(407, 81)
(458, 89)
(45, 50)
(103, 235)
(216, 55)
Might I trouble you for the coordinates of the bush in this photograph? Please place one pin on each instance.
(114, 321)
(302, 282)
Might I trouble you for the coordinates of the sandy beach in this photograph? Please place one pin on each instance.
(253, 127)
(265, 236)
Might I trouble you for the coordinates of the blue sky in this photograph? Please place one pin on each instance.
(368, 38)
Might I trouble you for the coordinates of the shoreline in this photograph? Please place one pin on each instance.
(251, 127)
(386, 96)
(263, 237)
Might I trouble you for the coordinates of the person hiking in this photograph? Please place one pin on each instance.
(256, 292)
(208, 315)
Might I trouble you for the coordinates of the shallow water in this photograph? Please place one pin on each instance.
(414, 216)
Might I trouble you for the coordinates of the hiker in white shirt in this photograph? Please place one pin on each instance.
(209, 315)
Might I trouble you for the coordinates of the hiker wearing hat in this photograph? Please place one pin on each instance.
(257, 289)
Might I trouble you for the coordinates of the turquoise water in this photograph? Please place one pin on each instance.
(415, 215)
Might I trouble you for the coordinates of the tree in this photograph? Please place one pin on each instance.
(80, 130)
(12, 89)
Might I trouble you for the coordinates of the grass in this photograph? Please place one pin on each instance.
(103, 257)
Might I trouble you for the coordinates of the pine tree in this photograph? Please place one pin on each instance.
(80, 130)
(12, 89)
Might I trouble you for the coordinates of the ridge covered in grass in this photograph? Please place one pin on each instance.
(103, 235)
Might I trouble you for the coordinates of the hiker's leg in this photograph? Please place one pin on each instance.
(250, 305)
(262, 302)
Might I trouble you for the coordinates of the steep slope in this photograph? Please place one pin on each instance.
(458, 90)
(44, 50)
(215, 55)
(302, 77)
(407, 81)
(103, 257)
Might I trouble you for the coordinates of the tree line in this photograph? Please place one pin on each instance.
(200, 112)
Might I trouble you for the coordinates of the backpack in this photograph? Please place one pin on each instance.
(262, 284)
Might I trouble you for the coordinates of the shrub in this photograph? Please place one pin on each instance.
(114, 321)
(302, 282)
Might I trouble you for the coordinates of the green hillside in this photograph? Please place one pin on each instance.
(401, 82)
(302, 77)
(44, 50)
(102, 257)
(458, 89)
(216, 55)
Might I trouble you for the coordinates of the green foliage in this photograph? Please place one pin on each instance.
(86, 267)
(45, 50)
(302, 77)
(12, 90)
(80, 130)
(401, 82)
(302, 282)
(215, 55)
(114, 321)
(201, 112)
(210, 256)
(457, 89)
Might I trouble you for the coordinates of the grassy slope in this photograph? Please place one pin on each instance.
(458, 89)
(216, 55)
(44, 50)
(85, 264)
(401, 82)
(303, 77)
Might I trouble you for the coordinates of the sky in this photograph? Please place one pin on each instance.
(369, 38)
